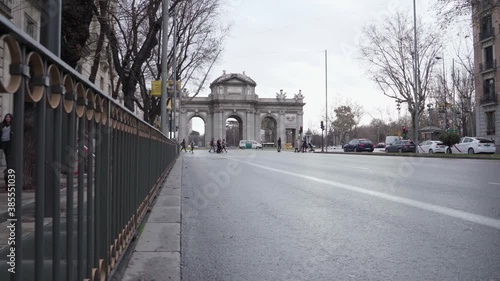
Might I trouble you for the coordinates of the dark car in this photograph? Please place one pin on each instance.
(358, 145)
(401, 146)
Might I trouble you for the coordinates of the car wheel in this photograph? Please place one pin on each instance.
(448, 151)
(430, 151)
(400, 150)
(386, 150)
(471, 150)
(345, 150)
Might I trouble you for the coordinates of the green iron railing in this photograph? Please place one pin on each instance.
(79, 190)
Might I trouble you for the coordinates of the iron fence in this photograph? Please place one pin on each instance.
(81, 174)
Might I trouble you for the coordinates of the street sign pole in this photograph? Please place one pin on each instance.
(164, 68)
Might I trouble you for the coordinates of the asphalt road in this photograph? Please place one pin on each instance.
(263, 215)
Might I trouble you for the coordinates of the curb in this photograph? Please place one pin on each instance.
(459, 156)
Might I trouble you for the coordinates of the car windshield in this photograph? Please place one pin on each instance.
(365, 141)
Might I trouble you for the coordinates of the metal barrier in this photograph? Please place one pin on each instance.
(112, 163)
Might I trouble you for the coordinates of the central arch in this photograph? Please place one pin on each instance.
(268, 130)
(234, 130)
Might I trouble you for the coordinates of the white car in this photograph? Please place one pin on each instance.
(472, 145)
(250, 144)
(431, 146)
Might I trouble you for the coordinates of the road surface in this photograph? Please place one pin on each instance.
(263, 215)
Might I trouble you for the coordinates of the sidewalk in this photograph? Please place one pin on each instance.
(157, 254)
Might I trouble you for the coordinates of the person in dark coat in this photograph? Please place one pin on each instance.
(6, 137)
(279, 144)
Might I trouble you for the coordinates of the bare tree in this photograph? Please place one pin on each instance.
(200, 39)
(345, 120)
(449, 11)
(389, 55)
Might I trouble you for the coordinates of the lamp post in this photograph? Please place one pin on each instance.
(429, 109)
(445, 92)
(416, 74)
(398, 106)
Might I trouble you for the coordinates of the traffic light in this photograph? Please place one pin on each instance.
(405, 131)
(300, 130)
(322, 126)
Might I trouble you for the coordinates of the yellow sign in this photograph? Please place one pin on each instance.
(156, 88)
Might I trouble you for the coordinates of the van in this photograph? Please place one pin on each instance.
(250, 144)
(389, 140)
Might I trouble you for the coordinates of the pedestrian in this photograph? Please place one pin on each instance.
(297, 145)
(6, 131)
(192, 146)
(212, 145)
(279, 144)
(183, 145)
(224, 145)
(304, 145)
(219, 145)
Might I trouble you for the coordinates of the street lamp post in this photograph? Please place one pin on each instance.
(398, 106)
(416, 75)
(429, 109)
(445, 92)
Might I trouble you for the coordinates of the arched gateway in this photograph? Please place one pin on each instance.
(233, 96)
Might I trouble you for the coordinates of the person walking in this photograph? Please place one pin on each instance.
(6, 131)
(219, 145)
(279, 144)
(304, 145)
(297, 145)
(224, 145)
(183, 145)
(212, 145)
(192, 146)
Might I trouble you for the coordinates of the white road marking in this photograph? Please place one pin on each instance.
(474, 218)
(494, 183)
(354, 167)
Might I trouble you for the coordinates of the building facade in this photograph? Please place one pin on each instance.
(486, 31)
(26, 15)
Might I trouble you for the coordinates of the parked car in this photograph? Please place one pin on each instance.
(431, 146)
(472, 145)
(358, 145)
(380, 145)
(250, 144)
(401, 146)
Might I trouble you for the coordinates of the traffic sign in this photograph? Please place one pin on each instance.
(156, 88)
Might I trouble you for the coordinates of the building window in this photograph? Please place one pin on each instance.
(487, 29)
(489, 58)
(490, 123)
(488, 88)
(30, 26)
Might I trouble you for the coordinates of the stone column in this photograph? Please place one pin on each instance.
(249, 133)
(258, 124)
(183, 130)
(282, 131)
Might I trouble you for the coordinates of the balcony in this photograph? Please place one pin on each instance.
(486, 34)
(488, 65)
(488, 99)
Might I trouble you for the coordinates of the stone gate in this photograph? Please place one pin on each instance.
(233, 96)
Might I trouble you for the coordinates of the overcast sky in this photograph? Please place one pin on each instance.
(281, 44)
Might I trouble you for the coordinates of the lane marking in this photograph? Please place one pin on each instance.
(474, 218)
(494, 183)
(362, 168)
